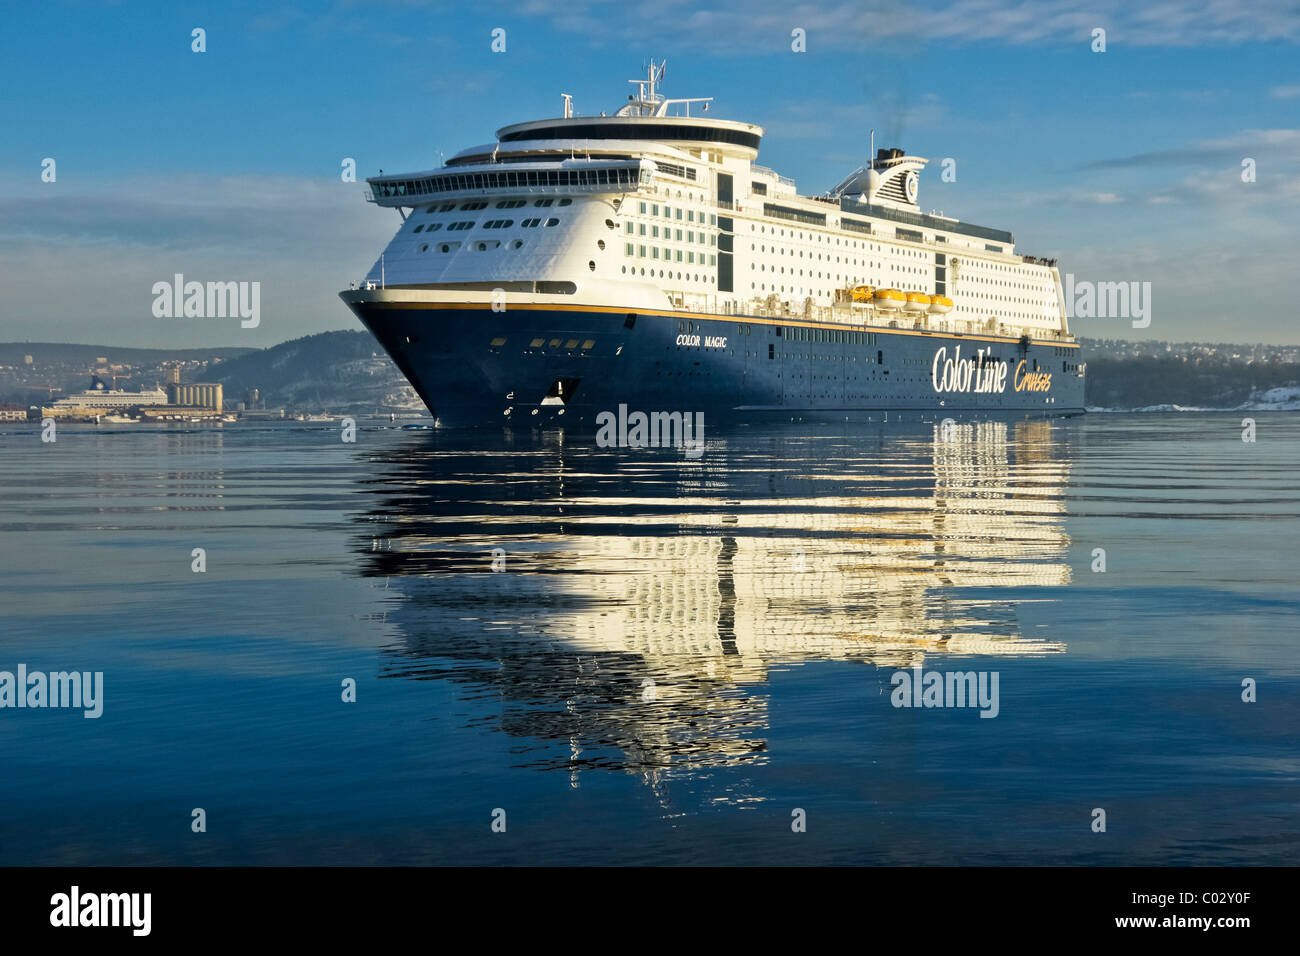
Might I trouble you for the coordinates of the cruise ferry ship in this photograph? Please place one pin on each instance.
(644, 260)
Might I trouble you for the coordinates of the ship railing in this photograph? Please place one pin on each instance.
(471, 192)
(764, 171)
(863, 314)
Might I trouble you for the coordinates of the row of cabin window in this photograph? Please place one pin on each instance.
(554, 343)
(668, 213)
(482, 246)
(691, 236)
(639, 251)
(866, 247)
(865, 264)
(688, 277)
(476, 204)
(490, 224)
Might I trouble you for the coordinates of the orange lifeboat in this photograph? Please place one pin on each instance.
(916, 302)
(890, 300)
(940, 304)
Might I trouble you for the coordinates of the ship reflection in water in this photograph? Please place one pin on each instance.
(644, 598)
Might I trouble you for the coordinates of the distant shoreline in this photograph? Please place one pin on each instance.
(346, 372)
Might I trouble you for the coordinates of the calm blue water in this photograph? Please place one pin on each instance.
(676, 656)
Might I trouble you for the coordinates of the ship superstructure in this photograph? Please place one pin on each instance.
(646, 259)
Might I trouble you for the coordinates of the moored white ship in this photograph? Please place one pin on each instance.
(644, 259)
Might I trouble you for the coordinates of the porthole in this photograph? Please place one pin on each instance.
(592, 265)
(425, 248)
(446, 248)
(600, 244)
(609, 223)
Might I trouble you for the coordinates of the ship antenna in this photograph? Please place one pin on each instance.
(871, 151)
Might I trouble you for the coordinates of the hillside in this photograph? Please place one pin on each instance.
(1178, 380)
(327, 372)
(61, 353)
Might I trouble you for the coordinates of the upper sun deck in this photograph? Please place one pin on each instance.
(538, 150)
(648, 116)
(727, 136)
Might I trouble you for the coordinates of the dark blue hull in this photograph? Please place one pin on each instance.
(547, 365)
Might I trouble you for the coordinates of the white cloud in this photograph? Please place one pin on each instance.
(743, 26)
(1283, 143)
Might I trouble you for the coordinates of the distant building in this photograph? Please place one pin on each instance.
(196, 395)
(13, 413)
(261, 414)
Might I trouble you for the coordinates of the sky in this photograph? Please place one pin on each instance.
(226, 165)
